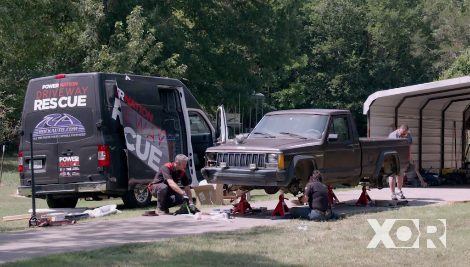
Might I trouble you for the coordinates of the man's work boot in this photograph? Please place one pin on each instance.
(162, 212)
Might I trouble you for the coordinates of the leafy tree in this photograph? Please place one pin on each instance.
(352, 48)
(314, 53)
(7, 130)
(133, 48)
(460, 67)
(37, 38)
(332, 69)
(231, 48)
(448, 22)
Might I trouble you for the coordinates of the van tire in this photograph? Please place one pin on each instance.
(137, 197)
(56, 203)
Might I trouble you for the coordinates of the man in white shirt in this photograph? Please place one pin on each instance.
(401, 132)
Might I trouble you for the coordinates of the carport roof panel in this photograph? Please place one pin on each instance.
(425, 90)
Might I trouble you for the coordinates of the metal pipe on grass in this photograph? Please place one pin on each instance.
(33, 221)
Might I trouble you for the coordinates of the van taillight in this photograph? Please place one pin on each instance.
(59, 76)
(103, 156)
(20, 161)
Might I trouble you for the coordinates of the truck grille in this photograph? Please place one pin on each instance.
(242, 159)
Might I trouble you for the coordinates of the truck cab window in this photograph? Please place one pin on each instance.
(340, 126)
(198, 124)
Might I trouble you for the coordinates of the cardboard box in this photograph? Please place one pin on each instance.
(210, 194)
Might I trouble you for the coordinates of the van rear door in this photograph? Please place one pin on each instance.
(61, 112)
(142, 119)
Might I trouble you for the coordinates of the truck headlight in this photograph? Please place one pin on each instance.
(211, 159)
(272, 158)
(211, 156)
(275, 160)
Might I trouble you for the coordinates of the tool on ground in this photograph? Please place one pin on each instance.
(281, 207)
(364, 199)
(242, 205)
(187, 208)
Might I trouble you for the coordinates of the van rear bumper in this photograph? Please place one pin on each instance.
(58, 189)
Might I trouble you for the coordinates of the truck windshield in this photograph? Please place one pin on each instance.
(291, 125)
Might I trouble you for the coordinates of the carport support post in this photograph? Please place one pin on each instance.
(464, 142)
(420, 144)
(443, 122)
(33, 221)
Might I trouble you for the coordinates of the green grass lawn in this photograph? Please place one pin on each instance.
(293, 243)
(10, 204)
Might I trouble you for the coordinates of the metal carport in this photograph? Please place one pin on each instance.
(435, 112)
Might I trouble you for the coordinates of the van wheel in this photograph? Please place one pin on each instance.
(56, 203)
(138, 197)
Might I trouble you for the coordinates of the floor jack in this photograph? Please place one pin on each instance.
(364, 199)
(241, 206)
(281, 207)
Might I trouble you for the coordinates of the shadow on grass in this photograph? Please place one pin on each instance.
(142, 255)
(211, 258)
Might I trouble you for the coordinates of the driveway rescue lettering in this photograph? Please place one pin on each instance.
(151, 155)
(60, 92)
(60, 95)
(62, 102)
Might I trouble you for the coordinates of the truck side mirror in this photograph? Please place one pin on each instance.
(332, 137)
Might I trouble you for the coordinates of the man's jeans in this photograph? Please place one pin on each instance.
(166, 197)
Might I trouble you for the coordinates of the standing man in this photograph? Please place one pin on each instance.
(401, 132)
(165, 185)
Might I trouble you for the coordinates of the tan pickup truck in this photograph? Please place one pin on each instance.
(286, 146)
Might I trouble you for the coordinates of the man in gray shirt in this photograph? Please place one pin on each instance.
(401, 132)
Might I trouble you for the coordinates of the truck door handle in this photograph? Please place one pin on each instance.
(67, 153)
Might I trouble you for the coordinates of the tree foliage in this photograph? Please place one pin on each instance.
(134, 48)
(313, 53)
(460, 67)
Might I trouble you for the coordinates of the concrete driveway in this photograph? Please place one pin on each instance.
(98, 234)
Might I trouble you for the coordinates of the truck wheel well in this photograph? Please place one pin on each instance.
(303, 170)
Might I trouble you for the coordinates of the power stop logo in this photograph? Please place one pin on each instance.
(409, 233)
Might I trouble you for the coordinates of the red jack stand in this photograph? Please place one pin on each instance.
(332, 199)
(281, 207)
(242, 206)
(364, 199)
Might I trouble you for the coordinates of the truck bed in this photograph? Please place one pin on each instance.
(373, 147)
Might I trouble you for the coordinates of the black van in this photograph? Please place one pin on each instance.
(101, 135)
